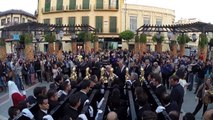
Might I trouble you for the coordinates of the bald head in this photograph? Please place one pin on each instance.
(112, 116)
(208, 115)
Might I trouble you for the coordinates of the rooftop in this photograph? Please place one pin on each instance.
(13, 11)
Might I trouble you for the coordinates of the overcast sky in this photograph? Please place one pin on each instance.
(201, 9)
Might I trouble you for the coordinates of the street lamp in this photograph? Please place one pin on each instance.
(194, 37)
(38, 39)
(60, 36)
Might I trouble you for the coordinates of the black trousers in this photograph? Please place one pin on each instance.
(198, 107)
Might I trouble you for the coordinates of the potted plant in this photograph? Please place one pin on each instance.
(137, 45)
(143, 40)
(3, 53)
(28, 46)
(127, 35)
(202, 44)
(182, 39)
(50, 38)
(157, 38)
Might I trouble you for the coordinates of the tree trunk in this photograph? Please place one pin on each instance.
(137, 47)
(202, 53)
(3, 53)
(182, 49)
(58, 52)
(87, 46)
(74, 47)
(173, 48)
(159, 47)
(96, 46)
(142, 48)
(29, 52)
(51, 48)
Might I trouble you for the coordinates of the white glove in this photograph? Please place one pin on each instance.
(160, 109)
(91, 111)
(26, 112)
(86, 102)
(24, 92)
(100, 103)
(99, 112)
(82, 116)
(48, 117)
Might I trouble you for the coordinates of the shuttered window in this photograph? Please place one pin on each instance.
(99, 4)
(46, 21)
(72, 5)
(85, 20)
(85, 4)
(113, 24)
(59, 5)
(47, 5)
(58, 21)
(99, 24)
(71, 20)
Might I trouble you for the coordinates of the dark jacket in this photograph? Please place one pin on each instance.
(177, 95)
(69, 112)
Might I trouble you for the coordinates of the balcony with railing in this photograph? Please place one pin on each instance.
(67, 8)
(105, 8)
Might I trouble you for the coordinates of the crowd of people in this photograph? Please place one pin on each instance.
(170, 77)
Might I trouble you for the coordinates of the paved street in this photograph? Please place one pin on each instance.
(188, 105)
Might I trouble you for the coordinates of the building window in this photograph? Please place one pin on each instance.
(47, 5)
(72, 5)
(99, 24)
(85, 20)
(58, 21)
(133, 23)
(158, 21)
(46, 21)
(16, 19)
(113, 24)
(3, 22)
(146, 20)
(86, 4)
(99, 4)
(71, 20)
(23, 20)
(8, 20)
(113, 4)
(59, 5)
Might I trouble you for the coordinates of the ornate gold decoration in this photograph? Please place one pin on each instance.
(127, 74)
(87, 74)
(142, 75)
(73, 75)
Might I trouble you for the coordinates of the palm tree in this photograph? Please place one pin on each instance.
(143, 40)
(96, 43)
(50, 38)
(28, 46)
(182, 39)
(3, 54)
(137, 45)
(203, 42)
(158, 39)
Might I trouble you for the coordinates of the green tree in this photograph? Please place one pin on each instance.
(28, 39)
(203, 40)
(127, 35)
(143, 38)
(155, 39)
(50, 38)
(183, 39)
(2, 42)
